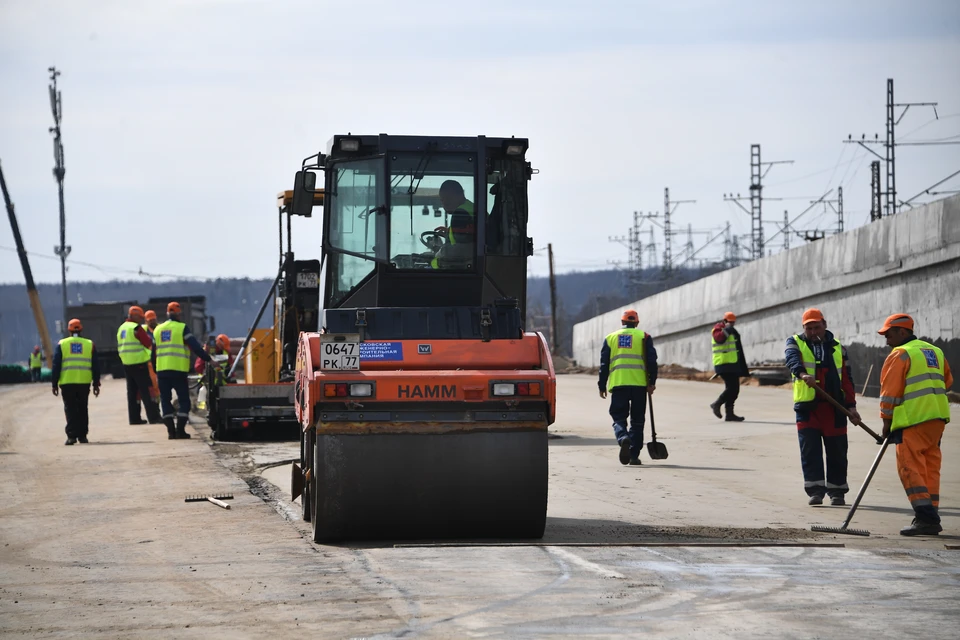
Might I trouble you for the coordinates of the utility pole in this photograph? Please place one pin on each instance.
(757, 174)
(652, 250)
(890, 144)
(554, 341)
(839, 210)
(59, 170)
(876, 201)
(786, 231)
(668, 233)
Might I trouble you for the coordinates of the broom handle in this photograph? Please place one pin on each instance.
(840, 407)
(863, 487)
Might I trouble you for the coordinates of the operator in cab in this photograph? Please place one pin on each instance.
(458, 249)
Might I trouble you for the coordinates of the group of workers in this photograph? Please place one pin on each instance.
(913, 403)
(156, 361)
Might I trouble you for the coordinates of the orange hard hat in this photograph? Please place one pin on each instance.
(135, 312)
(812, 315)
(630, 316)
(223, 341)
(173, 307)
(901, 320)
(36, 348)
(74, 325)
(150, 315)
(730, 315)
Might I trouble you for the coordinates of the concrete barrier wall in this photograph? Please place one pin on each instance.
(908, 263)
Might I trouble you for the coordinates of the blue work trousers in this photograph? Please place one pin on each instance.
(629, 402)
(813, 444)
(169, 383)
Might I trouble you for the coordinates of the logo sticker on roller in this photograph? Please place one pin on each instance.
(424, 349)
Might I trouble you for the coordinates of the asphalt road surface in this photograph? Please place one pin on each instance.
(96, 540)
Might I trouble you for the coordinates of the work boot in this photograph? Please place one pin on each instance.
(921, 528)
(625, 451)
(715, 407)
(82, 440)
(731, 416)
(70, 441)
(635, 461)
(171, 429)
(138, 421)
(837, 501)
(815, 500)
(181, 428)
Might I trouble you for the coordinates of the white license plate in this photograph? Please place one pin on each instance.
(339, 355)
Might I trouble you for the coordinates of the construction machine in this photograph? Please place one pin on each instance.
(262, 405)
(423, 404)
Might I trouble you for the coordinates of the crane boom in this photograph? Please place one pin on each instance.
(28, 276)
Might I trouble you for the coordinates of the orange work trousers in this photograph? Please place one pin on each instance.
(918, 464)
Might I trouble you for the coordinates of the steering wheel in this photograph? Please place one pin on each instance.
(432, 240)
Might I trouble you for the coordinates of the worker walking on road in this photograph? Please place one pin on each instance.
(729, 363)
(75, 368)
(914, 409)
(136, 349)
(174, 344)
(815, 357)
(36, 364)
(628, 370)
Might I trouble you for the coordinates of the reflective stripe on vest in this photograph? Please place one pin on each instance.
(172, 353)
(724, 352)
(36, 361)
(801, 392)
(925, 394)
(76, 366)
(627, 363)
(130, 349)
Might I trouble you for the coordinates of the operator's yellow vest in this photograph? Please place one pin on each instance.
(724, 352)
(172, 353)
(76, 366)
(801, 392)
(131, 351)
(925, 396)
(628, 367)
(36, 360)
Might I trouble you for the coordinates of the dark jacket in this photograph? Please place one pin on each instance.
(650, 361)
(720, 333)
(58, 363)
(827, 377)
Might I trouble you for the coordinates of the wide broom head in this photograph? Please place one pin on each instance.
(851, 532)
(204, 496)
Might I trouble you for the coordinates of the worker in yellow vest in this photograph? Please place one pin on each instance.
(150, 316)
(150, 322)
(75, 368)
(174, 344)
(136, 349)
(730, 363)
(628, 370)
(36, 364)
(816, 357)
(915, 410)
(458, 249)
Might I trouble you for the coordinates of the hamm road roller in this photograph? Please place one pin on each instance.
(423, 403)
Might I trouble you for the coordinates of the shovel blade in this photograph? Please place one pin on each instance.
(657, 450)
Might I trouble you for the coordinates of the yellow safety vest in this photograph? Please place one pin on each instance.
(925, 395)
(724, 352)
(36, 360)
(801, 392)
(131, 351)
(628, 367)
(467, 206)
(76, 366)
(172, 353)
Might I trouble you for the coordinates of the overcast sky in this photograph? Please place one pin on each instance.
(183, 119)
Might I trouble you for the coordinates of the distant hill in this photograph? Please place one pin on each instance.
(234, 302)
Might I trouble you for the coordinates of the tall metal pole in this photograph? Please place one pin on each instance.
(554, 340)
(59, 170)
(839, 209)
(891, 159)
(667, 235)
(756, 203)
(876, 202)
(786, 231)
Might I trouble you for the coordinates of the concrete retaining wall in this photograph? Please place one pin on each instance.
(908, 263)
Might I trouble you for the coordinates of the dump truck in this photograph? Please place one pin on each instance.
(423, 403)
(262, 405)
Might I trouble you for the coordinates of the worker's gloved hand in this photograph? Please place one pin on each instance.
(96, 391)
(56, 391)
(809, 380)
(855, 416)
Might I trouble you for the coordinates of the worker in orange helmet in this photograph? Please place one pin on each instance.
(136, 350)
(175, 341)
(730, 363)
(914, 409)
(75, 368)
(151, 322)
(816, 358)
(628, 370)
(36, 364)
(221, 347)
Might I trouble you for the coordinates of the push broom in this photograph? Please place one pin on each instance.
(863, 488)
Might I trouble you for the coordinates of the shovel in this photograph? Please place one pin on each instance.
(656, 450)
